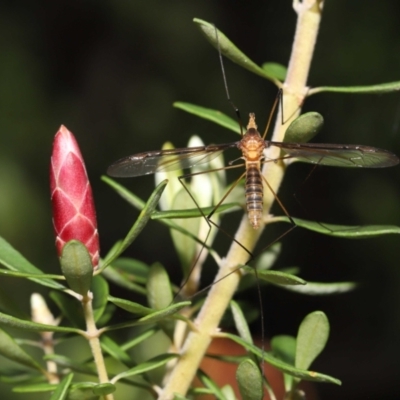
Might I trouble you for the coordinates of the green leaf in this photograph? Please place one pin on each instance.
(164, 313)
(141, 221)
(304, 128)
(138, 203)
(128, 273)
(267, 259)
(76, 265)
(13, 376)
(286, 368)
(139, 339)
(35, 388)
(229, 50)
(311, 338)
(70, 308)
(276, 277)
(62, 388)
(100, 294)
(11, 350)
(249, 379)
(211, 385)
(284, 348)
(82, 391)
(275, 70)
(159, 292)
(240, 322)
(75, 366)
(321, 289)
(14, 261)
(154, 363)
(130, 306)
(228, 392)
(210, 114)
(115, 351)
(157, 316)
(344, 231)
(195, 212)
(370, 89)
(13, 322)
(104, 389)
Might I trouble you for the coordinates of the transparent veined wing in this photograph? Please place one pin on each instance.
(165, 160)
(338, 155)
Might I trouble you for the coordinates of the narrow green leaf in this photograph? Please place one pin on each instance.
(13, 322)
(16, 274)
(75, 366)
(127, 195)
(108, 313)
(115, 351)
(141, 221)
(195, 212)
(311, 338)
(240, 322)
(228, 392)
(370, 89)
(267, 259)
(139, 339)
(229, 50)
(11, 350)
(154, 363)
(164, 313)
(284, 348)
(62, 388)
(304, 128)
(14, 261)
(344, 231)
(210, 114)
(135, 268)
(83, 391)
(139, 204)
(211, 385)
(76, 265)
(248, 376)
(276, 277)
(35, 388)
(321, 288)
(14, 375)
(159, 289)
(104, 389)
(286, 368)
(130, 306)
(122, 279)
(100, 291)
(70, 308)
(275, 70)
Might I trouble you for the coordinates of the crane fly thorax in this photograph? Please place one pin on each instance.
(252, 145)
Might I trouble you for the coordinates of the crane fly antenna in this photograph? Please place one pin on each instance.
(237, 112)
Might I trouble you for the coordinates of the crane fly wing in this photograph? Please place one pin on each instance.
(165, 160)
(338, 155)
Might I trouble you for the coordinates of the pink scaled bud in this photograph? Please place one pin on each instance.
(74, 214)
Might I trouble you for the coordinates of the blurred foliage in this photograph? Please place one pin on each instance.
(110, 72)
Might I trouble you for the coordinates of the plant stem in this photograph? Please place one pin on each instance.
(219, 296)
(92, 333)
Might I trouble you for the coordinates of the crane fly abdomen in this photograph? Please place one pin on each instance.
(252, 146)
(254, 194)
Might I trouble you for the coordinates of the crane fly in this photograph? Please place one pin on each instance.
(252, 146)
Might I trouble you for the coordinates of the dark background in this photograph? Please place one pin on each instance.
(110, 72)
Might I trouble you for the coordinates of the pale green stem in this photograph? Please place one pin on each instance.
(219, 296)
(93, 334)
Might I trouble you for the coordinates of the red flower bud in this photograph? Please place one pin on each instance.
(74, 214)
